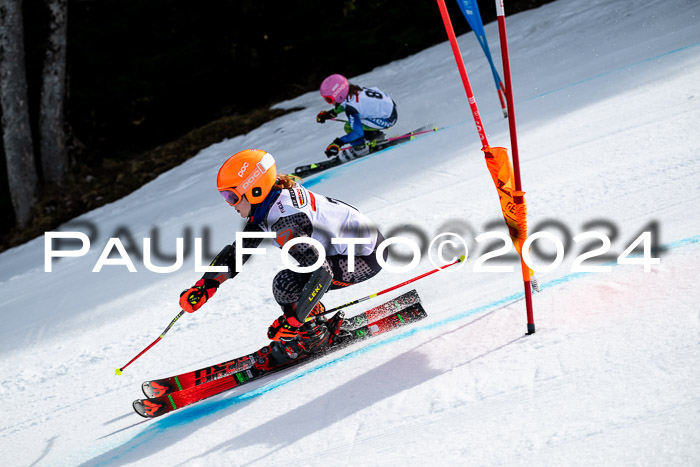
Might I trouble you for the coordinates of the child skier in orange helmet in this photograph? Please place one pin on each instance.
(249, 182)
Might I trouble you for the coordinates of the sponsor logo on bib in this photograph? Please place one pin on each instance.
(298, 198)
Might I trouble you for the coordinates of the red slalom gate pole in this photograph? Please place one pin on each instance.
(500, 11)
(463, 72)
(509, 91)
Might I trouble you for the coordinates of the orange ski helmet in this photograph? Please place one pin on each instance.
(250, 173)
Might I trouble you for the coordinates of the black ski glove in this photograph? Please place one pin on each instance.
(334, 148)
(325, 115)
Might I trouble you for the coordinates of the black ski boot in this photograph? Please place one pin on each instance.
(314, 336)
(270, 357)
(374, 137)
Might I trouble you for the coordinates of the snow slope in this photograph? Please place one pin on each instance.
(607, 109)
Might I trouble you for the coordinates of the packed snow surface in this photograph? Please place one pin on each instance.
(607, 98)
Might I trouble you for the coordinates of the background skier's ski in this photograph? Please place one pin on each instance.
(304, 170)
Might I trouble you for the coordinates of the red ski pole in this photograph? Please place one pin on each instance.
(354, 302)
(412, 134)
(182, 312)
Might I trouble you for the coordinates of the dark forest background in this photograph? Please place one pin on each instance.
(150, 83)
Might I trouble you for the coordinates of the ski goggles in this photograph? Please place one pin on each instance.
(231, 196)
(329, 99)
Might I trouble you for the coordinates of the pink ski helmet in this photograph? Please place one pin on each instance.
(334, 89)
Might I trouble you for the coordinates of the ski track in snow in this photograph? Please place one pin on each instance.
(607, 109)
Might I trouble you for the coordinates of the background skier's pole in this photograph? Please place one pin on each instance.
(119, 370)
(354, 302)
(406, 136)
(500, 10)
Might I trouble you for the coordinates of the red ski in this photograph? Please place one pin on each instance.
(161, 387)
(157, 406)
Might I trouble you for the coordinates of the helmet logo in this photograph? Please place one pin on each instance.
(250, 180)
(243, 169)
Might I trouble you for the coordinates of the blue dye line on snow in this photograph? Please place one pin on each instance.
(614, 70)
(206, 408)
